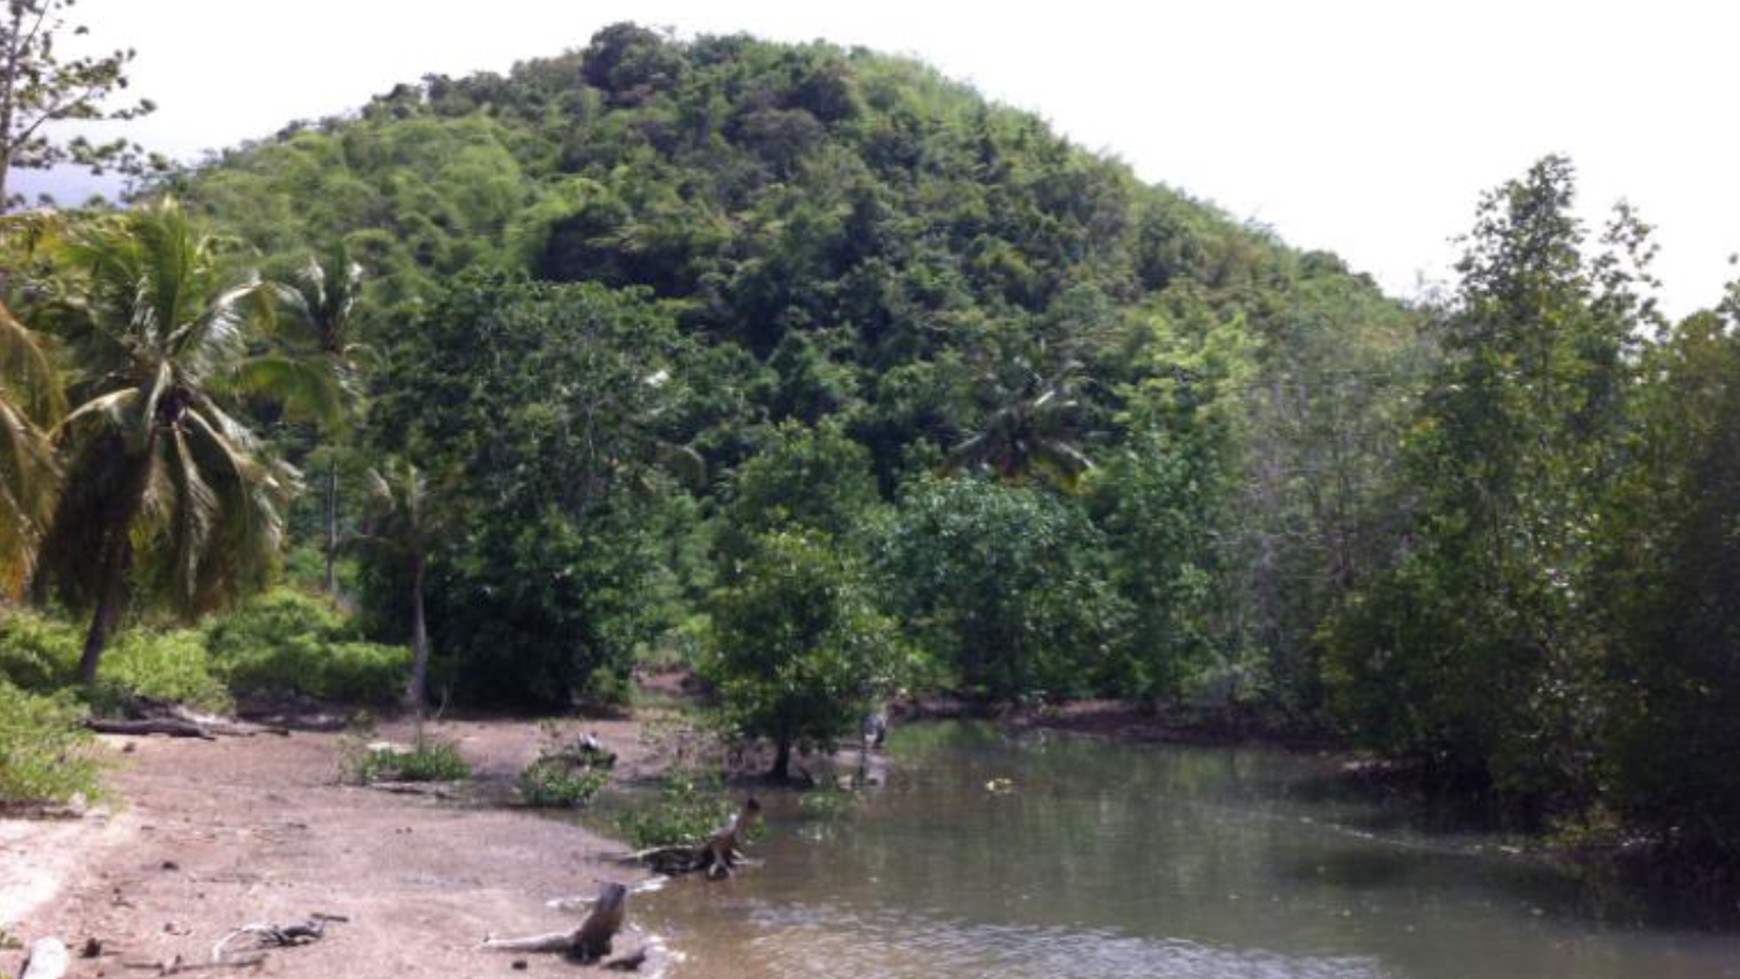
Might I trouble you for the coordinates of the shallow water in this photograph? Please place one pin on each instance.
(1111, 860)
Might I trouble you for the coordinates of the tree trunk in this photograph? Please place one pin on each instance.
(111, 597)
(332, 528)
(416, 692)
(781, 770)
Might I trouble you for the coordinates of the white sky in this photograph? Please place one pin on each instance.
(1367, 128)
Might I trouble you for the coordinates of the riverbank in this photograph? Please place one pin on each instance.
(1130, 723)
(211, 836)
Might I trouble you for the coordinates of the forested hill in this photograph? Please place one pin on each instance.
(845, 237)
(840, 214)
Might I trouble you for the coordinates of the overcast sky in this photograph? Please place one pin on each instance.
(1367, 128)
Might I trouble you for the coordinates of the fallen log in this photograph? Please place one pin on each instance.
(49, 959)
(588, 943)
(174, 720)
(171, 726)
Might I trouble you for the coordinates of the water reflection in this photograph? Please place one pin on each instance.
(1108, 860)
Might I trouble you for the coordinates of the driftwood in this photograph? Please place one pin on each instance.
(588, 943)
(717, 855)
(49, 959)
(275, 936)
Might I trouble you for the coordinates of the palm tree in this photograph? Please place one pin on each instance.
(322, 299)
(1032, 430)
(403, 526)
(31, 401)
(165, 488)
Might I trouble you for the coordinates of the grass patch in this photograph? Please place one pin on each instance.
(46, 755)
(363, 759)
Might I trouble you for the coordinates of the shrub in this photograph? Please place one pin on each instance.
(37, 652)
(555, 783)
(168, 666)
(362, 759)
(45, 755)
(287, 641)
(689, 806)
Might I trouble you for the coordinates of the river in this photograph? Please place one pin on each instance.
(997, 855)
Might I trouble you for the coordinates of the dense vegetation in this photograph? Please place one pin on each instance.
(819, 372)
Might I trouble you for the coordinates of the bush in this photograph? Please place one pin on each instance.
(428, 759)
(555, 783)
(287, 641)
(45, 755)
(167, 666)
(38, 653)
(689, 806)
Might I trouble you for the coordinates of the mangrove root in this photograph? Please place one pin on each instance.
(588, 943)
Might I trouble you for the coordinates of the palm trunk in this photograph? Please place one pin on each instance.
(111, 598)
(332, 528)
(416, 692)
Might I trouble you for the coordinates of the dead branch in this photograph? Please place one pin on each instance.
(277, 936)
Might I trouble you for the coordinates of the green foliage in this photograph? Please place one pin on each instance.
(1668, 570)
(689, 806)
(554, 783)
(1472, 651)
(287, 641)
(31, 402)
(38, 652)
(1005, 587)
(810, 479)
(46, 755)
(534, 410)
(799, 648)
(170, 666)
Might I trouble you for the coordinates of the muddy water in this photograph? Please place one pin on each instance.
(996, 856)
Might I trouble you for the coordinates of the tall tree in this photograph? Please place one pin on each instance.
(39, 86)
(166, 489)
(323, 298)
(1471, 651)
(403, 526)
